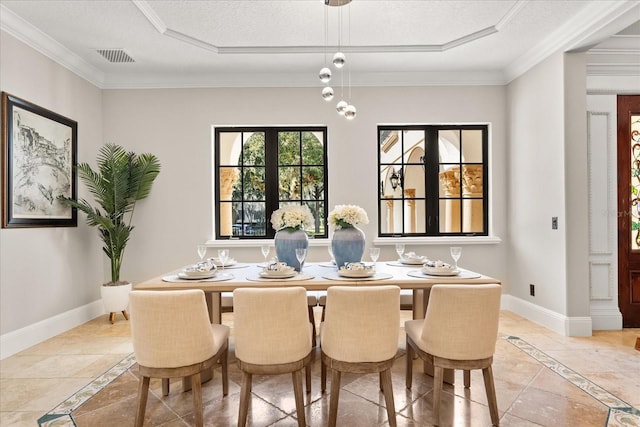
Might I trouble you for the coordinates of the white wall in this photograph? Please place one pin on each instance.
(536, 186)
(49, 272)
(176, 125)
(547, 177)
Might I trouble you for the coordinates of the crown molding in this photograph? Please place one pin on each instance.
(31, 36)
(587, 27)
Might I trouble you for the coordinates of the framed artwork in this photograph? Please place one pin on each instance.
(38, 165)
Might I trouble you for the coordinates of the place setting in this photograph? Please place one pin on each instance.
(443, 270)
(203, 271)
(406, 259)
(357, 271)
(224, 260)
(276, 271)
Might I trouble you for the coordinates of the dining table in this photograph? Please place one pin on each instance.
(314, 276)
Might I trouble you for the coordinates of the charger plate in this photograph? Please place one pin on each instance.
(464, 274)
(219, 277)
(400, 264)
(378, 276)
(296, 278)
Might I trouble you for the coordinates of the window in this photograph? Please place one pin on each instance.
(259, 170)
(433, 180)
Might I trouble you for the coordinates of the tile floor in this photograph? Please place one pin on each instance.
(542, 378)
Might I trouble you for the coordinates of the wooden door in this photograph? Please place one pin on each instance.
(629, 209)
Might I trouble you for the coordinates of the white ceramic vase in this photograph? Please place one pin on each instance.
(286, 243)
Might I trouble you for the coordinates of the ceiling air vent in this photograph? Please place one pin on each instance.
(115, 55)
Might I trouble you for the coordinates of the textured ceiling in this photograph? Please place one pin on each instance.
(286, 42)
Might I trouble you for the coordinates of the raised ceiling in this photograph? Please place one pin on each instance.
(284, 42)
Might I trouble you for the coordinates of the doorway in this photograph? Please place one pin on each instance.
(628, 130)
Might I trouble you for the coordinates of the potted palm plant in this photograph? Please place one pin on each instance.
(121, 180)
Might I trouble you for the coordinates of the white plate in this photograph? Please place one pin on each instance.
(278, 274)
(439, 271)
(197, 275)
(412, 261)
(356, 273)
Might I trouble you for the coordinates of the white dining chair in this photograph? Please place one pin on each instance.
(360, 335)
(172, 338)
(459, 331)
(272, 336)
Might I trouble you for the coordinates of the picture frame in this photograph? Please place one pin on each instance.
(38, 165)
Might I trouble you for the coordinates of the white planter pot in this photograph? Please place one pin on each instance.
(115, 299)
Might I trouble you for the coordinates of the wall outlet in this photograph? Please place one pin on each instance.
(554, 222)
(532, 290)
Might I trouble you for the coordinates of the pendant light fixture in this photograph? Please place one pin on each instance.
(339, 60)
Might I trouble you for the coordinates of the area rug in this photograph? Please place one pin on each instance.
(621, 414)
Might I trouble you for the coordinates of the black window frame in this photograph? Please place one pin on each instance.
(272, 166)
(432, 195)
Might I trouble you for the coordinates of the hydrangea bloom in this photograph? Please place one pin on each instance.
(292, 216)
(347, 215)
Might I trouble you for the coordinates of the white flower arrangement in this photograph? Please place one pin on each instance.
(292, 216)
(347, 216)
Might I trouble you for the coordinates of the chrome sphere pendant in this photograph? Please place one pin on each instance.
(327, 93)
(341, 107)
(325, 75)
(339, 59)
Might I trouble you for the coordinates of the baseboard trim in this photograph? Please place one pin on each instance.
(568, 326)
(606, 319)
(21, 339)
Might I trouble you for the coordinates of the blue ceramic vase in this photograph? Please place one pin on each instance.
(286, 242)
(347, 245)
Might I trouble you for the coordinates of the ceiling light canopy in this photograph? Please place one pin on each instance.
(336, 2)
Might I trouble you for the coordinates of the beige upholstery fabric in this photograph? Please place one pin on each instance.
(361, 323)
(172, 329)
(264, 316)
(471, 311)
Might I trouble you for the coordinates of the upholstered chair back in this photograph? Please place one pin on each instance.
(361, 323)
(264, 316)
(170, 328)
(462, 321)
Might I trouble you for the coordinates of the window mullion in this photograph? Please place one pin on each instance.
(432, 178)
(271, 177)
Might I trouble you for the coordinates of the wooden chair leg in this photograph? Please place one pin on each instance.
(197, 398)
(313, 326)
(438, 377)
(224, 361)
(385, 379)
(143, 392)
(112, 317)
(333, 399)
(409, 365)
(297, 393)
(307, 377)
(244, 399)
(382, 385)
(467, 378)
(323, 377)
(165, 386)
(125, 314)
(489, 386)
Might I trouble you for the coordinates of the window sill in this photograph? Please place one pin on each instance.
(462, 240)
(380, 241)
